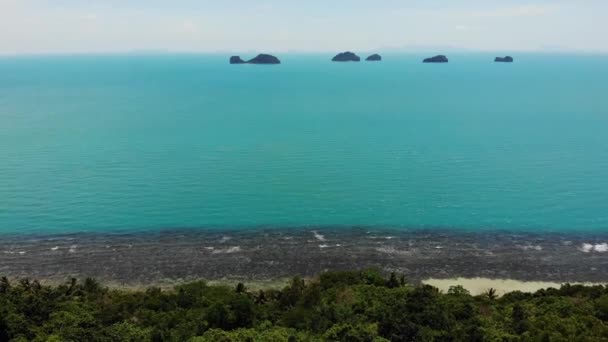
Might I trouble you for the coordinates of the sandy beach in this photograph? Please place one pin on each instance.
(477, 286)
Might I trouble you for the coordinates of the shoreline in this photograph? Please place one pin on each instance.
(168, 257)
(475, 286)
(478, 286)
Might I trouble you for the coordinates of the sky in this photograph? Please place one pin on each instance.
(106, 26)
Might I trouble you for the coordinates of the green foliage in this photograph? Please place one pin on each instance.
(458, 291)
(128, 332)
(353, 333)
(602, 307)
(250, 335)
(339, 306)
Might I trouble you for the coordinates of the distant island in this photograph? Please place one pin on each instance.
(259, 59)
(346, 57)
(236, 60)
(374, 58)
(436, 59)
(349, 57)
(506, 59)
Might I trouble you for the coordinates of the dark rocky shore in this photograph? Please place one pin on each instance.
(177, 255)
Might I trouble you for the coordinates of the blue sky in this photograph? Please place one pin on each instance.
(71, 26)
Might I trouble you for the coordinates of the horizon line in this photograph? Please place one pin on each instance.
(387, 51)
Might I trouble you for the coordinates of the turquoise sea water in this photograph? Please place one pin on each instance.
(104, 143)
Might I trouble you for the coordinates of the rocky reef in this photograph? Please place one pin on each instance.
(506, 59)
(259, 59)
(153, 257)
(374, 58)
(346, 57)
(436, 59)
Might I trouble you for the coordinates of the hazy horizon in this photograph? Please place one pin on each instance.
(188, 26)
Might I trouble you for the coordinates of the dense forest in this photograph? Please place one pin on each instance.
(338, 306)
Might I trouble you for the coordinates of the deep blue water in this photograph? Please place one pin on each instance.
(100, 143)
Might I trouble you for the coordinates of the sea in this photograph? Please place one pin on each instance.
(155, 144)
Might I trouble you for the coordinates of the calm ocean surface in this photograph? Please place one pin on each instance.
(109, 143)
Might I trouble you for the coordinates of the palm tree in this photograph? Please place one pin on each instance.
(491, 293)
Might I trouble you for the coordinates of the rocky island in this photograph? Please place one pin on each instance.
(236, 60)
(374, 58)
(436, 59)
(259, 59)
(346, 57)
(506, 59)
(264, 59)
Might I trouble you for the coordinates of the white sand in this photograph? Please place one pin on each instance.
(480, 285)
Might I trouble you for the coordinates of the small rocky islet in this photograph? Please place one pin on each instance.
(436, 59)
(259, 59)
(236, 60)
(346, 57)
(506, 59)
(374, 58)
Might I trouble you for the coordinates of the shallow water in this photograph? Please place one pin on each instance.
(177, 255)
(125, 143)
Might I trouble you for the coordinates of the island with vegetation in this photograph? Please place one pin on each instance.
(374, 58)
(338, 306)
(346, 57)
(506, 59)
(436, 59)
(236, 60)
(259, 59)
